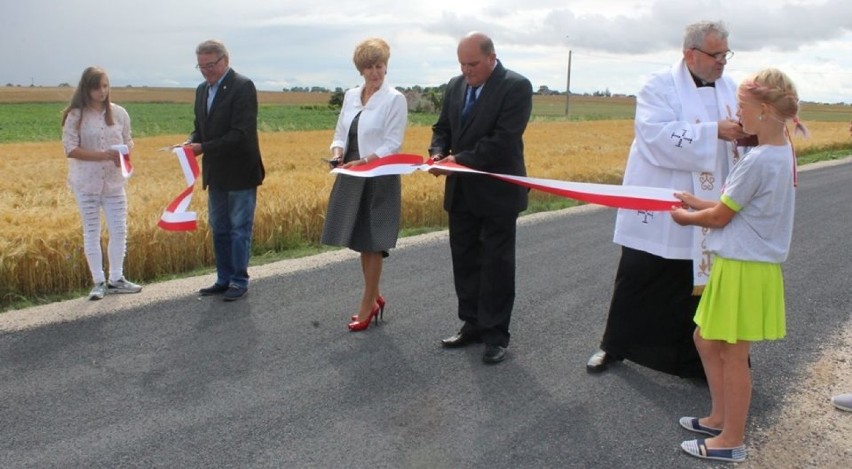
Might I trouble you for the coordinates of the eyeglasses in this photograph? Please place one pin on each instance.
(719, 56)
(209, 65)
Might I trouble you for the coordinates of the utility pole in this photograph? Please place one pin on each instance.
(568, 89)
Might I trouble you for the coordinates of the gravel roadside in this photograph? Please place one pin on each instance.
(810, 432)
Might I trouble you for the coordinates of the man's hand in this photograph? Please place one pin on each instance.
(730, 130)
(438, 159)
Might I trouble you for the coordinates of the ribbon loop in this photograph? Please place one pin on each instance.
(176, 217)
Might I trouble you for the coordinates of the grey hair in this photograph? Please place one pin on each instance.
(695, 33)
(212, 46)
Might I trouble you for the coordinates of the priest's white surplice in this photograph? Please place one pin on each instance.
(676, 146)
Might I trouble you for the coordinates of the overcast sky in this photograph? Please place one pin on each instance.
(287, 43)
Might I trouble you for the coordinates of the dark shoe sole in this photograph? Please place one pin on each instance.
(209, 291)
(233, 297)
(493, 359)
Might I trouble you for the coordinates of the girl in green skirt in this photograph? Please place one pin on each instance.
(751, 228)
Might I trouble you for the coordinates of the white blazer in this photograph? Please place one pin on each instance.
(381, 127)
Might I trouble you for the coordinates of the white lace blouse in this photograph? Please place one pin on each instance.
(92, 133)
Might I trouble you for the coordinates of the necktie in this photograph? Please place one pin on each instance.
(208, 97)
(468, 104)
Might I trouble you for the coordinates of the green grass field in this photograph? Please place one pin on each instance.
(40, 122)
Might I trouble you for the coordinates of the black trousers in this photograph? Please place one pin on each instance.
(651, 314)
(483, 252)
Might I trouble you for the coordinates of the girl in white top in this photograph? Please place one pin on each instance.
(91, 126)
(752, 226)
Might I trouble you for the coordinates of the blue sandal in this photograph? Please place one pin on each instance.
(699, 449)
(691, 424)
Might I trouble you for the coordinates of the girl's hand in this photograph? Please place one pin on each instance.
(113, 155)
(689, 200)
(680, 215)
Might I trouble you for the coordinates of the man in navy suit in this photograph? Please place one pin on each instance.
(226, 134)
(481, 126)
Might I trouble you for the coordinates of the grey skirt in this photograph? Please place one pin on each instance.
(363, 213)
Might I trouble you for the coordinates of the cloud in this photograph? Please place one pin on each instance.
(615, 43)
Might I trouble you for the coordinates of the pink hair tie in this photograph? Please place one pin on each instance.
(800, 128)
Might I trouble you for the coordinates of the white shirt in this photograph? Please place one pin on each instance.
(760, 189)
(381, 127)
(93, 133)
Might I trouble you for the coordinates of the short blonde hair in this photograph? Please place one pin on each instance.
(370, 52)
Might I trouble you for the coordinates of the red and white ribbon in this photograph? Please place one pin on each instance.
(176, 217)
(609, 195)
(124, 160)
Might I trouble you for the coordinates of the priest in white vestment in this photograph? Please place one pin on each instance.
(686, 140)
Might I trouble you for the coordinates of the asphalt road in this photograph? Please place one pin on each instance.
(168, 379)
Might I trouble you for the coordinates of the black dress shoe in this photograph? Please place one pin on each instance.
(235, 292)
(494, 354)
(214, 289)
(599, 361)
(460, 340)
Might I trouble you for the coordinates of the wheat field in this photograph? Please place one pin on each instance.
(40, 235)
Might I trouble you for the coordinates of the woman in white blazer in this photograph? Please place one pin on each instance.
(364, 213)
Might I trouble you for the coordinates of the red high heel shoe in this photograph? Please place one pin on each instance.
(379, 301)
(357, 325)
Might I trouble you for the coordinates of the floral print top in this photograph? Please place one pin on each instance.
(88, 130)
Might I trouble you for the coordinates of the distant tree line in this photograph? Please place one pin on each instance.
(426, 99)
(420, 99)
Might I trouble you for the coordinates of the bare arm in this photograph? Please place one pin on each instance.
(693, 202)
(91, 155)
(717, 216)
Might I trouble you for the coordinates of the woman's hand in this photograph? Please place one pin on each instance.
(360, 162)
